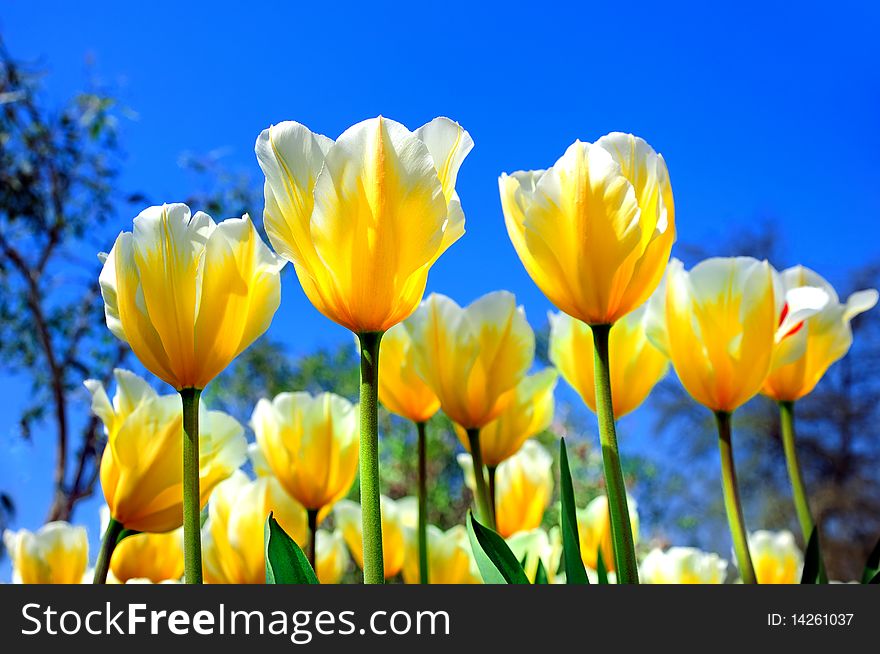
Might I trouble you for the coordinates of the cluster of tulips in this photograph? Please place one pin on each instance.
(362, 219)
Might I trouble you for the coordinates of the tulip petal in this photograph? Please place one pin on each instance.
(378, 220)
(859, 302)
(239, 297)
(168, 246)
(448, 143)
(291, 156)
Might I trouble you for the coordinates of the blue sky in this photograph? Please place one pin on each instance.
(759, 111)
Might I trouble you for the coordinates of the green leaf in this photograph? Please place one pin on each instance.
(601, 570)
(285, 561)
(575, 573)
(812, 562)
(541, 574)
(872, 566)
(497, 564)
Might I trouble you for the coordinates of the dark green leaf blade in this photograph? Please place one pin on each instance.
(811, 560)
(575, 573)
(285, 561)
(541, 574)
(601, 570)
(872, 566)
(497, 564)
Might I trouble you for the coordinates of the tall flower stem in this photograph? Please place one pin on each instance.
(493, 505)
(482, 492)
(621, 529)
(192, 538)
(732, 503)
(312, 515)
(371, 513)
(421, 427)
(798, 488)
(108, 544)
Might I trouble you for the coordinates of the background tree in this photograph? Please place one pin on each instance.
(57, 173)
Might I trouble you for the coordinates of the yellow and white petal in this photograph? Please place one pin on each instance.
(378, 189)
(448, 143)
(291, 156)
(238, 298)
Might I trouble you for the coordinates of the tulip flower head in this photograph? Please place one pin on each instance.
(450, 558)
(472, 358)
(595, 230)
(537, 545)
(348, 520)
(401, 390)
(528, 412)
(719, 325)
(332, 556)
(141, 474)
(776, 557)
(682, 565)
(817, 342)
(310, 443)
(189, 295)
(57, 553)
(635, 364)
(233, 536)
(145, 556)
(363, 218)
(523, 488)
(594, 531)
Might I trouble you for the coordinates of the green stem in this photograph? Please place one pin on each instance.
(621, 529)
(371, 513)
(192, 537)
(732, 503)
(798, 488)
(108, 544)
(312, 515)
(423, 502)
(481, 494)
(493, 505)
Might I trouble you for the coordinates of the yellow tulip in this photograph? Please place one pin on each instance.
(233, 535)
(348, 520)
(635, 365)
(719, 324)
(594, 231)
(776, 557)
(364, 218)
(594, 531)
(534, 546)
(332, 555)
(528, 412)
(450, 558)
(682, 565)
(472, 358)
(311, 445)
(523, 488)
(819, 341)
(189, 295)
(153, 557)
(401, 390)
(57, 553)
(141, 475)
